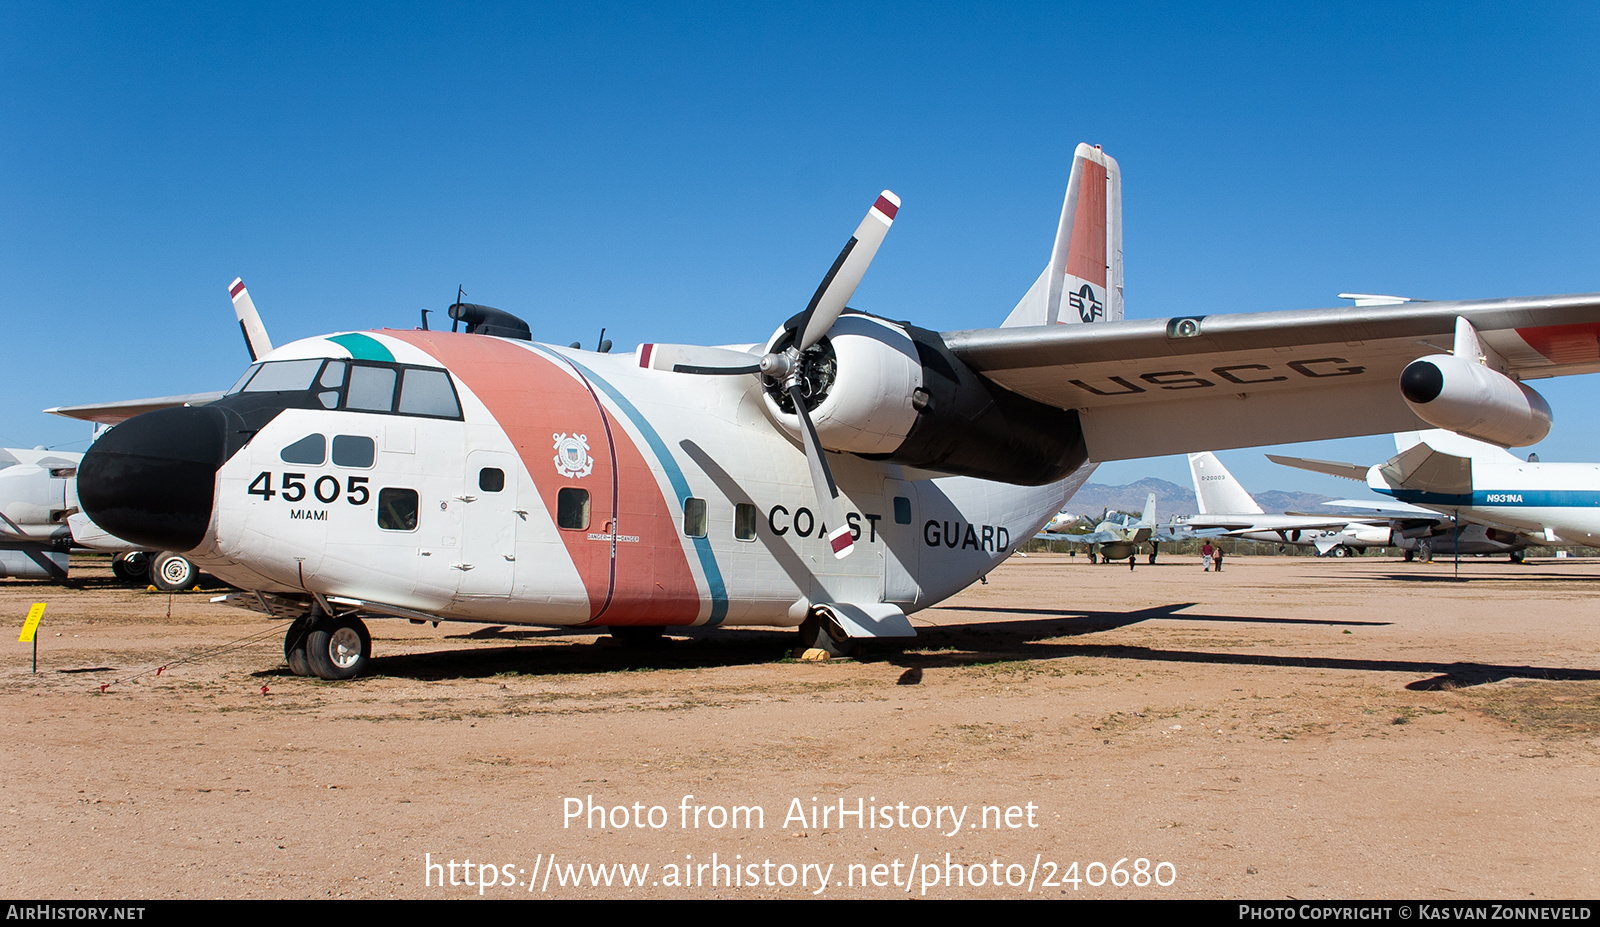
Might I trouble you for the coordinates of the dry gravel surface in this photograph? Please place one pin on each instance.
(1289, 728)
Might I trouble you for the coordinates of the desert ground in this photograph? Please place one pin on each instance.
(1289, 728)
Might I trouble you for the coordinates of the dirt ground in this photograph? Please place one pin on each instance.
(1291, 727)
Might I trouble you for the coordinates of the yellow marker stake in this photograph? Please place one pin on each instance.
(29, 626)
(32, 624)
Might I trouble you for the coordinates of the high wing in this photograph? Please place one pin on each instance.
(110, 413)
(1166, 386)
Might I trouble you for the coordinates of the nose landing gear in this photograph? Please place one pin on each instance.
(327, 646)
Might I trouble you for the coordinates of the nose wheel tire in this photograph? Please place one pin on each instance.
(171, 573)
(338, 648)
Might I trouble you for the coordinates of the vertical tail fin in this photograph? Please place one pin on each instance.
(1216, 492)
(1083, 281)
(1149, 517)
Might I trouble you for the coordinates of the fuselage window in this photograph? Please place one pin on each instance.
(428, 392)
(744, 521)
(397, 509)
(354, 451)
(371, 389)
(491, 479)
(694, 517)
(312, 449)
(902, 510)
(572, 508)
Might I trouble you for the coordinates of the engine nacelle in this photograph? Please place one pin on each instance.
(868, 375)
(893, 392)
(1458, 395)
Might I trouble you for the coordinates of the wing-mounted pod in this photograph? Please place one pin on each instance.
(1463, 393)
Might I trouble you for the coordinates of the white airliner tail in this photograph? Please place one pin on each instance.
(1083, 281)
(1216, 492)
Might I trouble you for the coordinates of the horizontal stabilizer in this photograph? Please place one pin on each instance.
(1423, 469)
(1347, 471)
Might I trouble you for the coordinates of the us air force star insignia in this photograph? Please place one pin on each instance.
(572, 455)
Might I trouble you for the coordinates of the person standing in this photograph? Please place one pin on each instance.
(1206, 553)
(1217, 558)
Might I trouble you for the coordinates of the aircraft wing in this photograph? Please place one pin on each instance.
(1382, 509)
(1097, 537)
(110, 413)
(1171, 386)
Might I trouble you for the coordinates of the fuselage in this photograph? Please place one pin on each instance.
(1556, 502)
(479, 478)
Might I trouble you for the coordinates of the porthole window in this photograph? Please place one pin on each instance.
(902, 510)
(353, 450)
(312, 449)
(397, 509)
(491, 479)
(744, 521)
(572, 508)
(694, 517)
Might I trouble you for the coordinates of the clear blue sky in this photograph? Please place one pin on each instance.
(688, 172)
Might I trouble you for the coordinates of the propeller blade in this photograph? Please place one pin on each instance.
(255, 334)
(848, 269)
(832, 510)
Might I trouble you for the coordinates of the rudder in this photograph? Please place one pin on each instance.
(1083, 280)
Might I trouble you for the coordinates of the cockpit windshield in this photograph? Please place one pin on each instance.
(358, 386)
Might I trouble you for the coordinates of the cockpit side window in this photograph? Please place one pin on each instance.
(371, 389)
(428, 392)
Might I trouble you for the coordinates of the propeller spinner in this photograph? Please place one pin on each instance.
(786, 368)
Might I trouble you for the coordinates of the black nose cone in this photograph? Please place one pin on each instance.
(152, 479)
(1421, 382)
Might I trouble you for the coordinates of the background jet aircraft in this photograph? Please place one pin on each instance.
(410, 473)
(1514, 502)
(40, 524)
(1226, 505)
(1117, 536)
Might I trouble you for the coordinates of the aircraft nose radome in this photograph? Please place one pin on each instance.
(152, 479)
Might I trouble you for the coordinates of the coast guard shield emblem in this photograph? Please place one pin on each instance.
(572, 455)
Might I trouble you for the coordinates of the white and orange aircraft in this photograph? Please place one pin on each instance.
(837, 477)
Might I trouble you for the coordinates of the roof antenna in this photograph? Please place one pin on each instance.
(604, 346)
(455, 322)
(424, 320)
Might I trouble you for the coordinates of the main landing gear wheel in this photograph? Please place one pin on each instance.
(131, 567)
(819, 632)
(171, 573)
(1340, 551)
(338, 647)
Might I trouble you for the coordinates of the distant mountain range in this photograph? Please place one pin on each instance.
(1172, 499)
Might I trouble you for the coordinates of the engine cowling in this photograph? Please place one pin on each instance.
(1456, 394)
(861, 381)
(893, 392)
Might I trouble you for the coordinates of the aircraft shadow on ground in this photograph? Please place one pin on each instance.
(542, 652)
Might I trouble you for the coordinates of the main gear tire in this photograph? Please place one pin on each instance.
(338, 648)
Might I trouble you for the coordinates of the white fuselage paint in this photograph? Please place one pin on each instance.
(501, 557)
